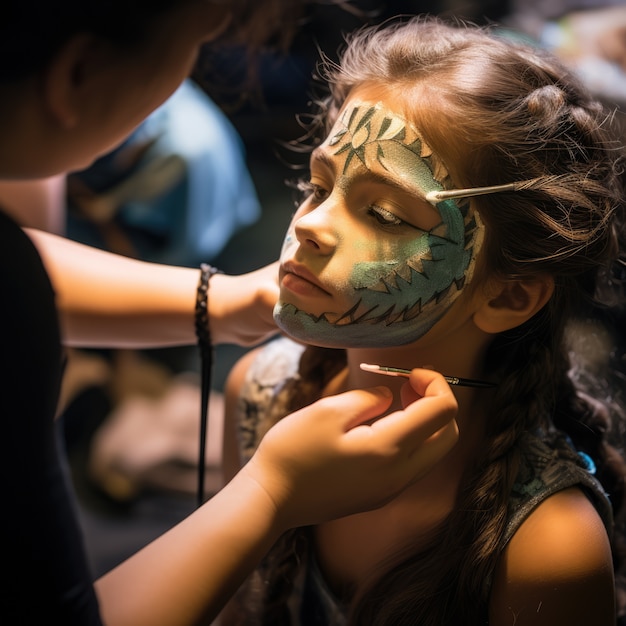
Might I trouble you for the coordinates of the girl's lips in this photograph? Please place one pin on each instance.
(300, 281)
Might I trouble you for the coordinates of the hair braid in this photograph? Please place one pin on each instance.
(281, 567)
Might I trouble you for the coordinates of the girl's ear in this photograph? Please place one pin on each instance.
(64, 79)
(512, 302)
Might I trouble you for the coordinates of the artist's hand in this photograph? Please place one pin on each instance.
(240, 307)
(333, 458)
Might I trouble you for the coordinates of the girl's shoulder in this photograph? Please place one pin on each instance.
(261, 372)
(556, 564)
(557, 568)
(274, 363)
(542, 472)
(254, 384)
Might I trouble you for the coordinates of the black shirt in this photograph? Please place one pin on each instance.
(44, 575)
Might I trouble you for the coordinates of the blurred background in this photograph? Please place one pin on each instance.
(206, 179)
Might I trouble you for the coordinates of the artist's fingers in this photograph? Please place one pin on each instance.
(420, 378)
(335, 457)
(359, 406)
(434, 408)
(428, 382)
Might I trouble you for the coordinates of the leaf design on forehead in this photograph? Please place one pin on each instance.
(367, 116)
(392, 128)
(337, 137)
(371, 136)
(384, 126)
(357, 133)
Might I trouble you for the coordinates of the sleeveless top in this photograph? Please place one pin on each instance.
(541, 475)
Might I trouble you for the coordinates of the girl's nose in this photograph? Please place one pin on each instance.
(315, 230)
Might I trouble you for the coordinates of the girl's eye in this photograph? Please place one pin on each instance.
(384, 217)
(311, 190)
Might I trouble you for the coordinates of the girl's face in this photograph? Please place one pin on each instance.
(367, 261)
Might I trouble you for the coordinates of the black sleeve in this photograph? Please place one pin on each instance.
(44, 575)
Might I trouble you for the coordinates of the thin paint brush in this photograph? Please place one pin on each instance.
(437, 196)
(451, 380)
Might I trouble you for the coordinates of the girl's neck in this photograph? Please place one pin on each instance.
(459, 353)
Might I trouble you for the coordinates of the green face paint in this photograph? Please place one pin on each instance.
(392, 287)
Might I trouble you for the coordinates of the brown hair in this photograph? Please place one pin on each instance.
(495, 111)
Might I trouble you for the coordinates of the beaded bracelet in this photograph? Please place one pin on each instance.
(205, 345)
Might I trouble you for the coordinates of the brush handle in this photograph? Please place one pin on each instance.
(451, 380)
(468, 382)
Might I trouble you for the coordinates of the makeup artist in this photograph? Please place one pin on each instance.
(75, 79)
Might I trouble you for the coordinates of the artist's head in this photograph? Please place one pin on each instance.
(419, 107)
(76, 77)
(31, 33)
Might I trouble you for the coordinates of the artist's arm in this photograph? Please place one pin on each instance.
(188, 574)
(107, 300)
(319, 463)
(557, 568)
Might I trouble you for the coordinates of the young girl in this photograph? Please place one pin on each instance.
(399, 257)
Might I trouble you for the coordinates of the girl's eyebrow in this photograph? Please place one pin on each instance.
(321, 157)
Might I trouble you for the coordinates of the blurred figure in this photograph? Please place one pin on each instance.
(589, 35)
(174, 192)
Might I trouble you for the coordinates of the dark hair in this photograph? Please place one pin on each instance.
(31, 32)
(516, 114)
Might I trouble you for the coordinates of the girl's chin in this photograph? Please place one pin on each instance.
(317, 330)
